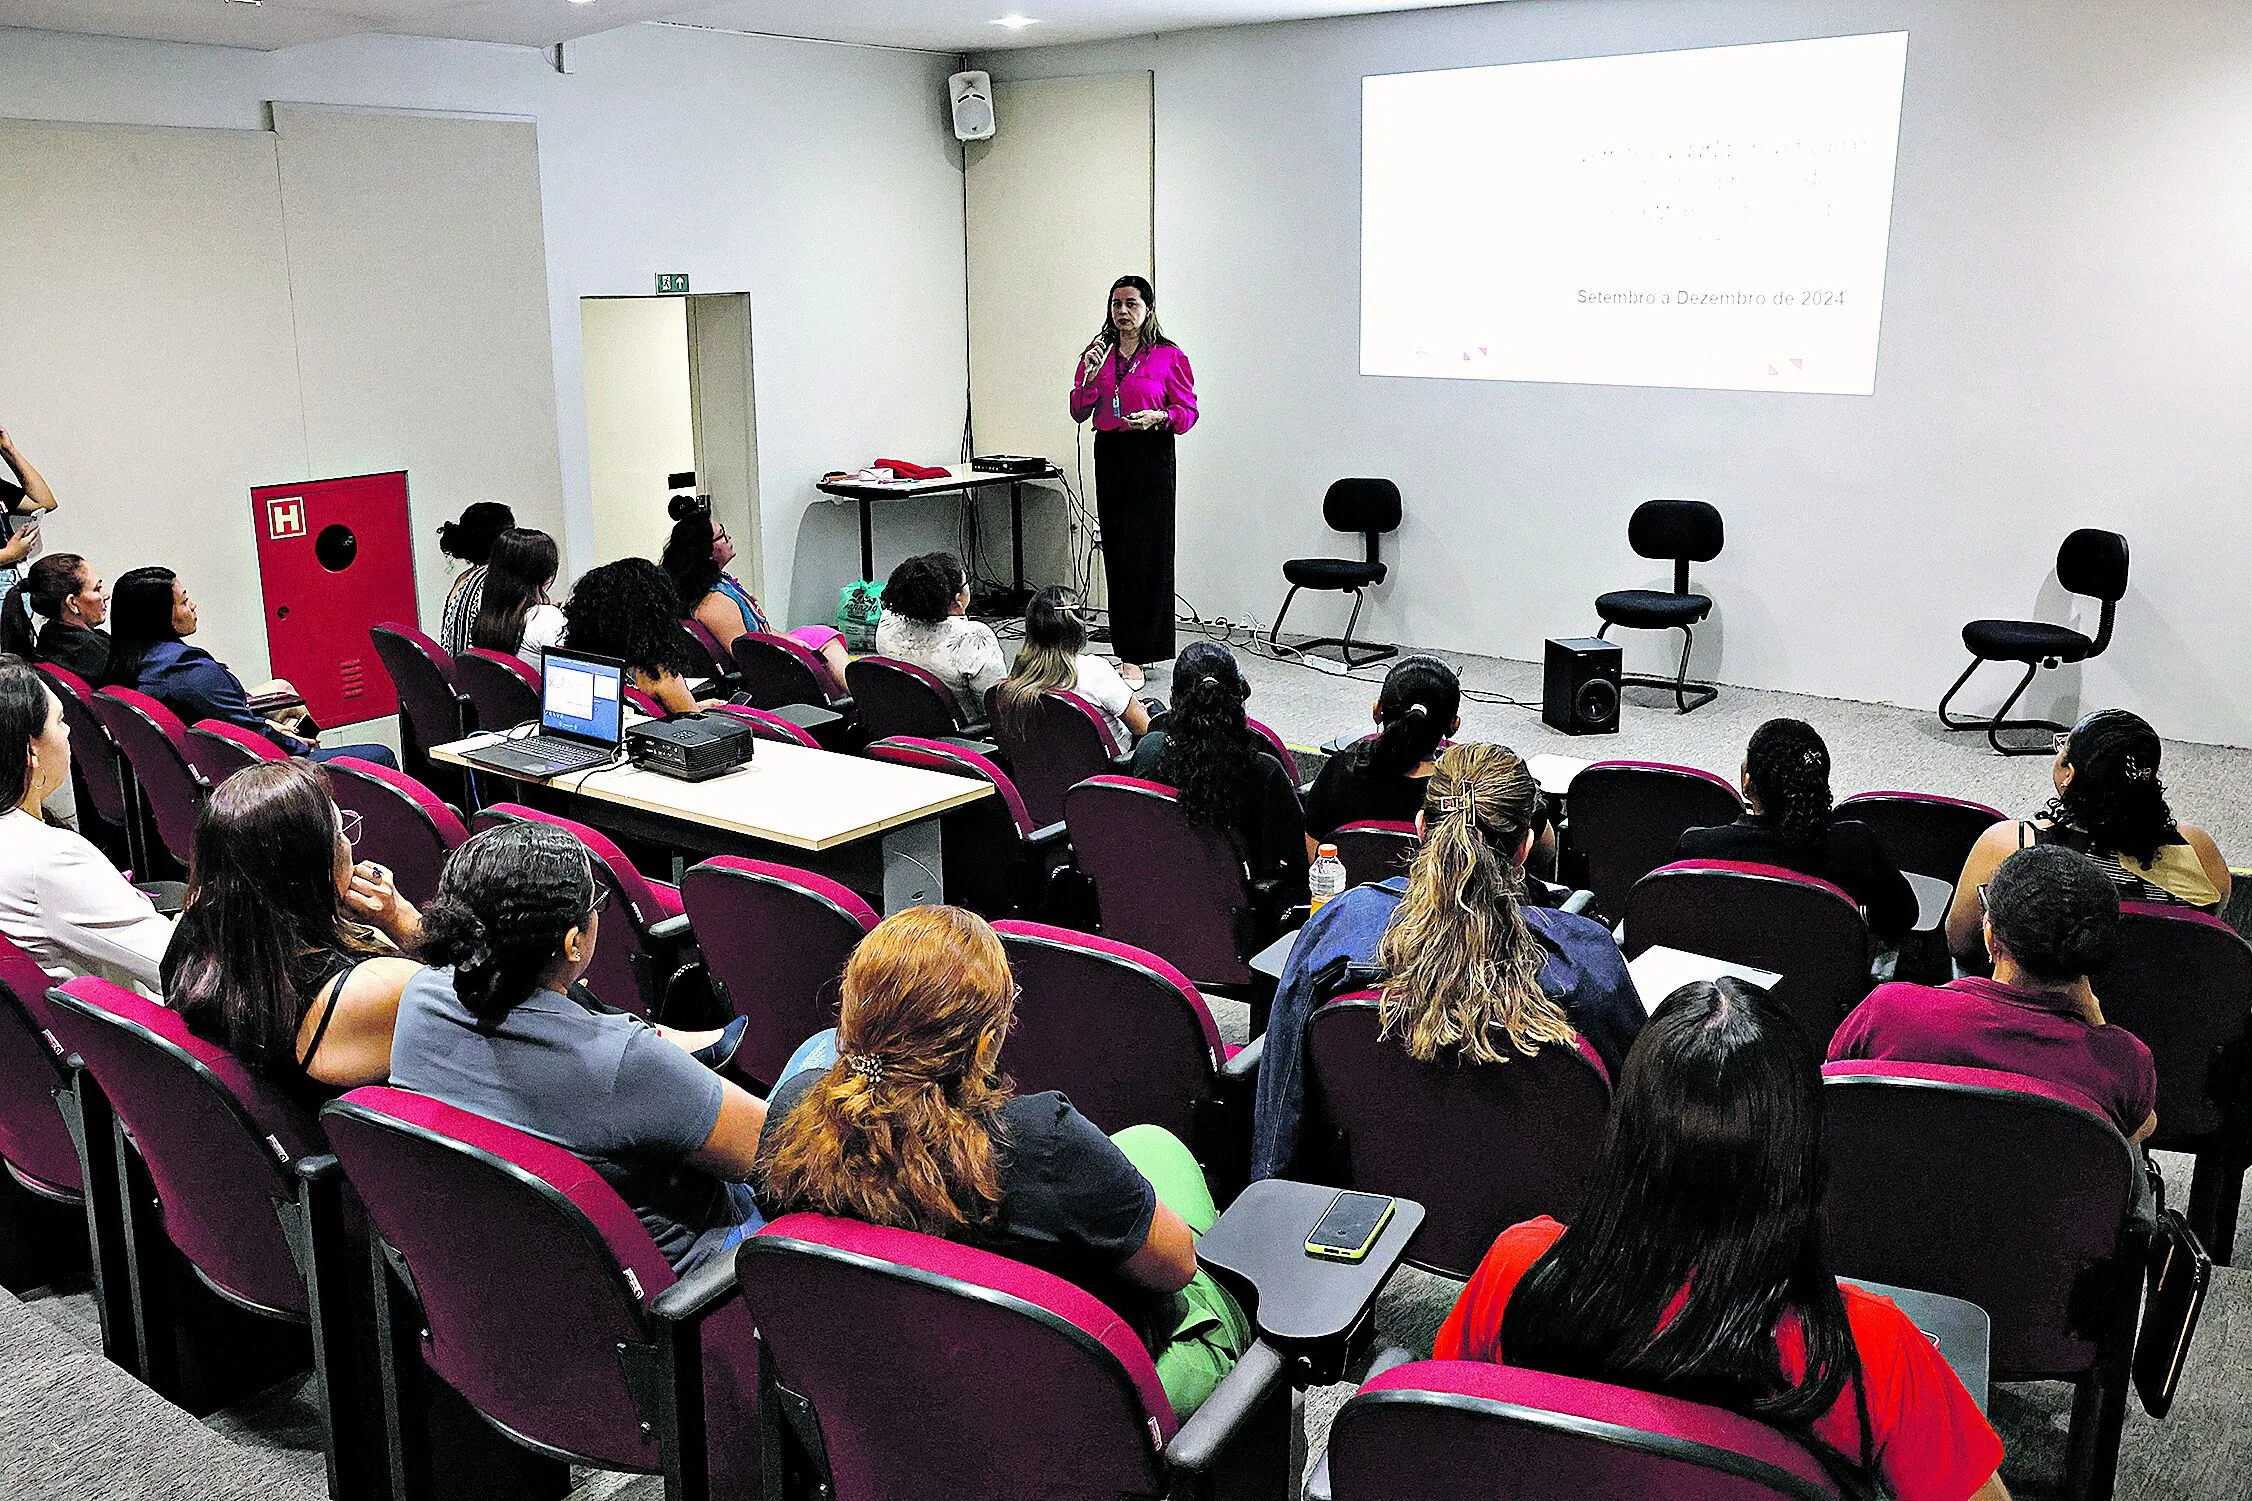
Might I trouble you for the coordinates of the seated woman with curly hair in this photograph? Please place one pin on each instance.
(2110, 805)
(902, 1117)
(630, 610)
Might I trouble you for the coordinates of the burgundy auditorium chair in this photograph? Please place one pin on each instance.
(217, 749)
(155, 743)
(541, 1299)
(893, 698)
(646, 937)
(432, 710)
(1375, 849)
(103, 778)
(776, 939)
(1805, 929)
(1480, 1146)
(778, 670)
(1921, 831)
(1129, 1039)
(246, 1198)
(402, 823)
(996, 861)
(502, 687)
(644, 704)
(2044, 1213)
(1439, 1430)
(2183, 984)
(1627, 816)
(42, 1200)
(1167, 885)
(767, 725)
(1052, 744)
(933, 1368)
(706, 657)
(1282, 751)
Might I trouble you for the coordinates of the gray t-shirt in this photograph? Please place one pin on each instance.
(604, 1087)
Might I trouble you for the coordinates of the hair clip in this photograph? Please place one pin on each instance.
(2137, 772)
(867, 1065)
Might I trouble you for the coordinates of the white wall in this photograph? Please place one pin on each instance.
(637, 417)
(1058, 206)
(418, 297)
(2069, 286)
(821, 180)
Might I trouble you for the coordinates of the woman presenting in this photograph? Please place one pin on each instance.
(1137, 385)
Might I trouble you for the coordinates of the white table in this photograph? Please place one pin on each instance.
(868, 823)
(1659, 971)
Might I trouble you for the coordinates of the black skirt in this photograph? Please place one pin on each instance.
(1134, 503)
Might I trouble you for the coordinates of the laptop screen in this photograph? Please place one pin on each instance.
(579, 697)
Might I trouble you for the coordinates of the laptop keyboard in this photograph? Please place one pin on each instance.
(542, 756)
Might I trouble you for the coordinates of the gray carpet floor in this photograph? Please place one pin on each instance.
(73, 1426)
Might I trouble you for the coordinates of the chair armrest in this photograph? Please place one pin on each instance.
(1122, 765)
(970, 742)
(698, 1294)
(1198, 1445)
(976, 729)
(670, 930)
(1245, 1065)
(1048, 838)
(321, 1165)
(1578, 901)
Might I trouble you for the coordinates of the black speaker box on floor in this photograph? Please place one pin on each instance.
(1580, 687)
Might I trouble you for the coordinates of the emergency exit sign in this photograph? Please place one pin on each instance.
(671, 281)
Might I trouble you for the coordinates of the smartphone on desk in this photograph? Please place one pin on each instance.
(1348, 1229)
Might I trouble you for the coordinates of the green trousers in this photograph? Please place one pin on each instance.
(1210, 1332)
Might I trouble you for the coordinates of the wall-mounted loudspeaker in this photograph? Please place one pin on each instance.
(971, 95)
(1580, 689)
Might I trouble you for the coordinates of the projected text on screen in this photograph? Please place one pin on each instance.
(1714, 218)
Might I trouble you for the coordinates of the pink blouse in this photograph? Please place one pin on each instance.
(1158, 377)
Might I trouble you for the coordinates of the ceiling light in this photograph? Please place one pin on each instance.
(1016, 22)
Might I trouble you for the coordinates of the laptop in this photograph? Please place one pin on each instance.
(582, 720)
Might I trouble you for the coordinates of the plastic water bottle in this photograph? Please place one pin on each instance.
(1327, 878)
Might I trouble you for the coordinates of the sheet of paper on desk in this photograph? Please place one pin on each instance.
(1555, 773)
(1659, 971)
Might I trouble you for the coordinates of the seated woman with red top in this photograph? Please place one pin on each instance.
(1694, 1268)
(2051, 921)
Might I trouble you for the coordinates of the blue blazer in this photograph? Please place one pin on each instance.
(195, 685)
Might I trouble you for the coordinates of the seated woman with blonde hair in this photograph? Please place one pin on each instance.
(911, 1124)
(1470, 968)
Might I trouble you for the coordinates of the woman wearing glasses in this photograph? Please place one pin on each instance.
(289, 953)
(2050, 923)
(696, 556)
(901, 1116)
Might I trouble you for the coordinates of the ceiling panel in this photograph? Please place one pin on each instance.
(935, 25)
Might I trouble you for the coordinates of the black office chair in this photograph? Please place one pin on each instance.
(1372, 508)
(1687, 531)
(2090, 562)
